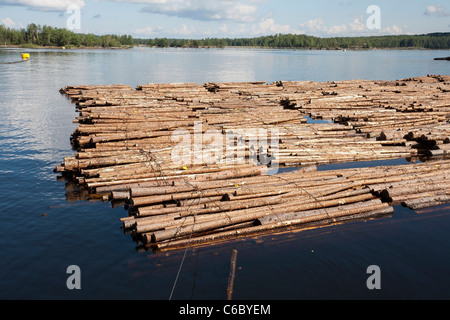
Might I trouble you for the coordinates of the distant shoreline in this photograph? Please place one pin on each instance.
(211, 47)
(62, 48)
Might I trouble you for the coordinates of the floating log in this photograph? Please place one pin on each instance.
(425, 202)
(232, 274)
(263, 229)
(127, 137)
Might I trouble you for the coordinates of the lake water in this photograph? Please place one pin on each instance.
(42, 233)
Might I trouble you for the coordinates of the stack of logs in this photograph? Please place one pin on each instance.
(185, 211)
(126, 138)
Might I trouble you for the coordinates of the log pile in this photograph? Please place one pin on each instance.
(183, 212)
(126, 140)
(415, 109)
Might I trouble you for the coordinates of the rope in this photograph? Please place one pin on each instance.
(12, 62)
(181, 264)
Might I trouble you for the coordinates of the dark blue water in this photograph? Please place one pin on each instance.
(42, 233)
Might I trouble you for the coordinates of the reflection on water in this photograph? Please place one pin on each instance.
(43, 233)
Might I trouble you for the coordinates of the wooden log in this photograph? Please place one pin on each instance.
(424, 194)
(373, 204)
(232, 274)
(255, 230)
(425, 202)
(120, 195)
(212, 207)
(394, 193)
(247, 215)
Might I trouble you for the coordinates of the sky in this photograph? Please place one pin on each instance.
(199, 19)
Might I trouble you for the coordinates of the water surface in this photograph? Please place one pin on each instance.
(43, 233)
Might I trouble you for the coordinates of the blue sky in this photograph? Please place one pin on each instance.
(231, 18)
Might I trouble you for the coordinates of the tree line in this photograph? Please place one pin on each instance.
(47, 36)
(427, 41)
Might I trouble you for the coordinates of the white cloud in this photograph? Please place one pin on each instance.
(318, 26)
(45, 5)
(336, 30)
(314, 26)
(7, 22)
(184, 30)
(357, 27)
(436, 10)
(148, 30)
(393, 30)
(204, 10)
(269, 26)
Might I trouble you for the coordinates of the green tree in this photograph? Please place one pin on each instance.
(89, 40)
(32, 33)
(61, 37)
(161, 42)
(46, 36)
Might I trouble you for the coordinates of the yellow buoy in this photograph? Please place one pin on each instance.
(25, 56)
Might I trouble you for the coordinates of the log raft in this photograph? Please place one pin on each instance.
(126, 137)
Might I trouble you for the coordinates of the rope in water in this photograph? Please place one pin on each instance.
(12, 62)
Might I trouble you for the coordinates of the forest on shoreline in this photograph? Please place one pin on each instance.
(46, 36)
(286, 41)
